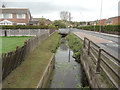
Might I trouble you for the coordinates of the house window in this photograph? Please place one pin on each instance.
(6, 15)
(21, 23)
(21, 16)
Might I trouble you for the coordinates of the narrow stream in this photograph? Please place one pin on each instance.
(67, 72)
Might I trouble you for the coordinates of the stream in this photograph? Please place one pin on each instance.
(67, 72)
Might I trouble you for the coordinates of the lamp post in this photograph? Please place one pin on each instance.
(100, 15)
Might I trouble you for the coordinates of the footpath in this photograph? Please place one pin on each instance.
(95, 39)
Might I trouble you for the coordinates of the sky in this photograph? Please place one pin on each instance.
(81, 10)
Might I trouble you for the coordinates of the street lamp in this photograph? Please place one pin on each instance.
(100, 15)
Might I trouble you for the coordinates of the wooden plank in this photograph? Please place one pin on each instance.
(110, 78)
(114, 71)
(95, 59)
(118, 60)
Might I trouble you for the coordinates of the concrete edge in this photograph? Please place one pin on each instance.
(46, 71)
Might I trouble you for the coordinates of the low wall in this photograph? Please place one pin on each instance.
(44, 81)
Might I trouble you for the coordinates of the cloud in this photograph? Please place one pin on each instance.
(80, 9)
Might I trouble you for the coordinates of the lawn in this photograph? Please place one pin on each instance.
(28, 74)
(10, 43)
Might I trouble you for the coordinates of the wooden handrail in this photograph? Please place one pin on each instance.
(99, 52)
(118, 60)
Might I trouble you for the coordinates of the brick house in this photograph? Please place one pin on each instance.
(116, 21)
(112, 21)
(102, 22)
(36, 21)
(14, 16)
(48, 22)
(94, 22)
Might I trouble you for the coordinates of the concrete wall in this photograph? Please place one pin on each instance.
(95, 79)
(44, 81)
(23, 32)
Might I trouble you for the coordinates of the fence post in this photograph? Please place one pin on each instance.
(98, 62)
(9, 33)
(84, 42)
(89, 47)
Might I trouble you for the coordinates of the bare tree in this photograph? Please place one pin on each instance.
(64, 15)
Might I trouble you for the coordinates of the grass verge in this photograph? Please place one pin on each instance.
(28, 74)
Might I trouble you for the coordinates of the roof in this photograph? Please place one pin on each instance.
(109, 20)
(15, 10)
(37, 19)
(33, 22)
(6, 21)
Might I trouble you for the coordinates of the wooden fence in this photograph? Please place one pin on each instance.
(13, 59)
(104, 61)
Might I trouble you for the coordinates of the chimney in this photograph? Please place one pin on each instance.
(3, 6)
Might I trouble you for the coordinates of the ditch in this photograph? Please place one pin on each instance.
(67, 72)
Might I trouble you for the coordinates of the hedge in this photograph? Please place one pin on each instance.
(106, 28)
(23, 27)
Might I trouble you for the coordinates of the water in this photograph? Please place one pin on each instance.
(67, 72)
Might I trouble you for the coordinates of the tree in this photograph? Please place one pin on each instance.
(59, 24)
(42, 21)
(64, 15)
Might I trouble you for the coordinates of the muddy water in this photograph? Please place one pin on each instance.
(67, 72)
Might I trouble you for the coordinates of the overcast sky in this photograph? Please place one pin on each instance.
(81, 10)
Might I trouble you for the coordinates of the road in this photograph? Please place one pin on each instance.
(113, 46)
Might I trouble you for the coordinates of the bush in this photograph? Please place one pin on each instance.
(106, 28)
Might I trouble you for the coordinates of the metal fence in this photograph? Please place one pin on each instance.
(104, 61)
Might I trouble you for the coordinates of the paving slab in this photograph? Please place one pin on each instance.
(95, 39)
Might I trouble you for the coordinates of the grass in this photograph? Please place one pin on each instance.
(75, 44)
(28, 74)
(11, 42)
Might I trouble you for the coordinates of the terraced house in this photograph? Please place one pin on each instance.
(14, 16)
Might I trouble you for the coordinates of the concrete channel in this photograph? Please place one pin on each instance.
(67, 72)
(63, 71)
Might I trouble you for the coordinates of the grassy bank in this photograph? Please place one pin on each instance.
(28, 74)
(10, 43)
(76, 45)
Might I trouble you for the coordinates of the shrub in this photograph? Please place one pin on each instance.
(106, 28)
